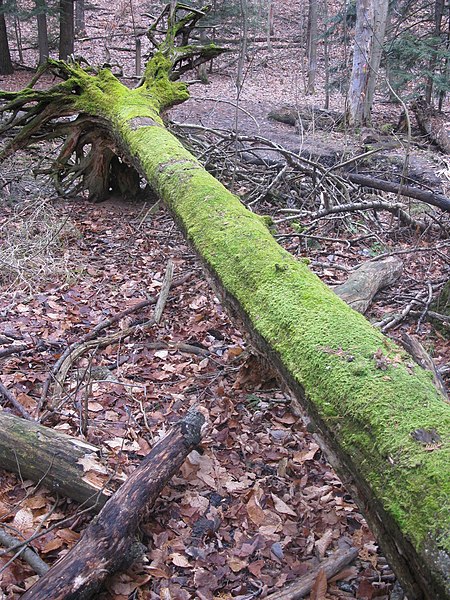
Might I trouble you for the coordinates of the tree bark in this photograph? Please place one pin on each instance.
(41, 18)
(6, 67)
(80, 22)
(66, 28)
(434, 123)
(359, 389)
(109, 544)
(67, 465)
(312, 45)
(362, 285)
(371, 19)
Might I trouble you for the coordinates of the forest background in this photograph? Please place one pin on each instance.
(65, 268)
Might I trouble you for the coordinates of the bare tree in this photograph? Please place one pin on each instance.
(41, 17)
(6, 67)
(371, 19)
(439, 6)
(312, 45)
(66, 28)
(80, 23)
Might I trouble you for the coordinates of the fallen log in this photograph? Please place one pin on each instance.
(67, 465)
(362, 285)
(433, 123)
(435, 199)
(365, 399)
(109, 543)
(319, 117)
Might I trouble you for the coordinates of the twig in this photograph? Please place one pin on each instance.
(36, 563)
(426, 307)
(396, 209)
(266, 190)
(84, 341)
(12, 400)
(14, 348)
(392, 320)
(164, 293)
(412, 250)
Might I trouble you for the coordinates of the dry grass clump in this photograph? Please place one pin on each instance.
(33, 245)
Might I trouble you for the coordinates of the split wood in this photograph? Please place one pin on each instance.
(109, 544)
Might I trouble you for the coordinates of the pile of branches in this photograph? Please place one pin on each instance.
(300, 188)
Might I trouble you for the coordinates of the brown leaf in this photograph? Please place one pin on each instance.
(282, 507)
(324, 542)
(319, 589)
(254, 510)
(23, 520)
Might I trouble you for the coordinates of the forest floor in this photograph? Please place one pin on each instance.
(257, 506)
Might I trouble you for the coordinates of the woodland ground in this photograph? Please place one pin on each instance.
(258, 505)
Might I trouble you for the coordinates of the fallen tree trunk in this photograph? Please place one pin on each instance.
(109, 544)
(434, 123)
(362, 285)
(432, 198)
(67, 465)
(365, 399)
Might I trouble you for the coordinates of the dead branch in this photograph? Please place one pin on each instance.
(435, 199)
(109, 543)
(303, 586)
(362, 285)
(29, 556)
(434, 123)
(422, 358)
(9, 397)
(396, 209)
(13, 349)
(64, 464)
(164, 293)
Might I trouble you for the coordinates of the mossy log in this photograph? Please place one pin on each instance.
(380, 415)
(109, 543)
(68, 466)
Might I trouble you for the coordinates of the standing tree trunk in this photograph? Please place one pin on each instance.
(385, 424)
(438, 14)
(312, 45)
(41, 17)
(66, 28)
(269, 25)
(371, 19)
(326, 56)
(80, 23)
(6, 67)
(381, 8)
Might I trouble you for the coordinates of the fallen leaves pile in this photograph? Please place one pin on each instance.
(256, 507)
